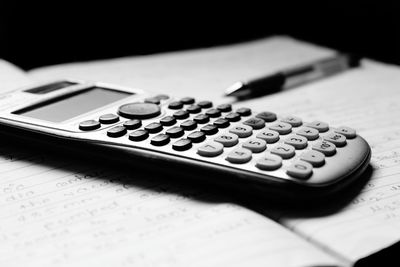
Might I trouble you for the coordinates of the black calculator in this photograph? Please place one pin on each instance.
(261, 152)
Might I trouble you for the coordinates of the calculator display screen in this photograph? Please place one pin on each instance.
(70, 106)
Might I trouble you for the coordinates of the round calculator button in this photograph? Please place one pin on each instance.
(255, 123)
(193, 109)
(284, 151)
(313, 157)
(232, 117)
(309, 133)
(239, 155)
(181, 114)
(138, 135)
(244, 111)
(132, 124)
(300, 169)
(153, 127)
(319, 125)
(346, 131)
(89, 125)
(327, 148)
(255, 145)
(117, 131)
(197, 137)
(213, 113)
(267, 116)
(210, 149)
(139, 110)
(269, 162)
(160, 140)
(168, 121)
(187, 100)
(205, 104)
(175, 132)
(188, 125)
(182, 145)
(209, 129)
(201, 118)
(338, 139)
(152, 100)
(225, 107)
(292, 120)
(281, 127)
(162, 97)
(269, 136)
(241, 130)
(227, 139)
(221, 123)
(108, 118)
(298, 141)
(175, 105)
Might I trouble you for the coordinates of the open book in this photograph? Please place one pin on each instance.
(67, 213)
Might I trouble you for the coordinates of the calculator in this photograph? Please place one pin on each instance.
(273, 155)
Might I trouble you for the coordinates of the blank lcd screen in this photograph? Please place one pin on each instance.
(70, 106)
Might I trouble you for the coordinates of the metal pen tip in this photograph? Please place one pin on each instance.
(230, 91)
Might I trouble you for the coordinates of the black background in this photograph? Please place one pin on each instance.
(33, 35)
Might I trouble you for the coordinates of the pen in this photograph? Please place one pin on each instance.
(293, 77)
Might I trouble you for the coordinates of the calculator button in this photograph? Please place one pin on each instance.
(267, 116)
(187, 100)
(227, 139)
(281, 127)
(255, 123)
(337, 139)
(139, 110)
(284, 151)
(189, 125)
(175, 132)
(182, 145)
(210, 149)
(108, 118)
(255, 145)
(162, 97)
(319, 125)
(201, 118)
(239, 155)
(209, 129)
(152, 100)
(153, 127)
(269, 162)
(197, 137)
(138, 135)
(132, 124)
(168, 121)
(309, 133)
(241, 130)
(160, 140)
(298, 141)
(269, 136)
(313, 157)
(346, 131)
(327, 148)
(232, 117)
(300, 169)
(175, 105)
(193, 109)
(244, 111)
(221, 123)
(225, 107)
(89, 125)
(117, 131)
(181, 114)
(213, 113)
(292, 120)
(205, 104)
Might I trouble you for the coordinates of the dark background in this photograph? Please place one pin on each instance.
(32, 35)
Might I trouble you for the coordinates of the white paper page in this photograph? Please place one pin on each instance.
(11, 77)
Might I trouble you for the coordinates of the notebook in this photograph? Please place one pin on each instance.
(69, 213)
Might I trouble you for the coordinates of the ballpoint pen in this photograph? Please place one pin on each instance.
(293, 76)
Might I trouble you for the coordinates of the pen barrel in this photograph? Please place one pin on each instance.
(265, 85)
